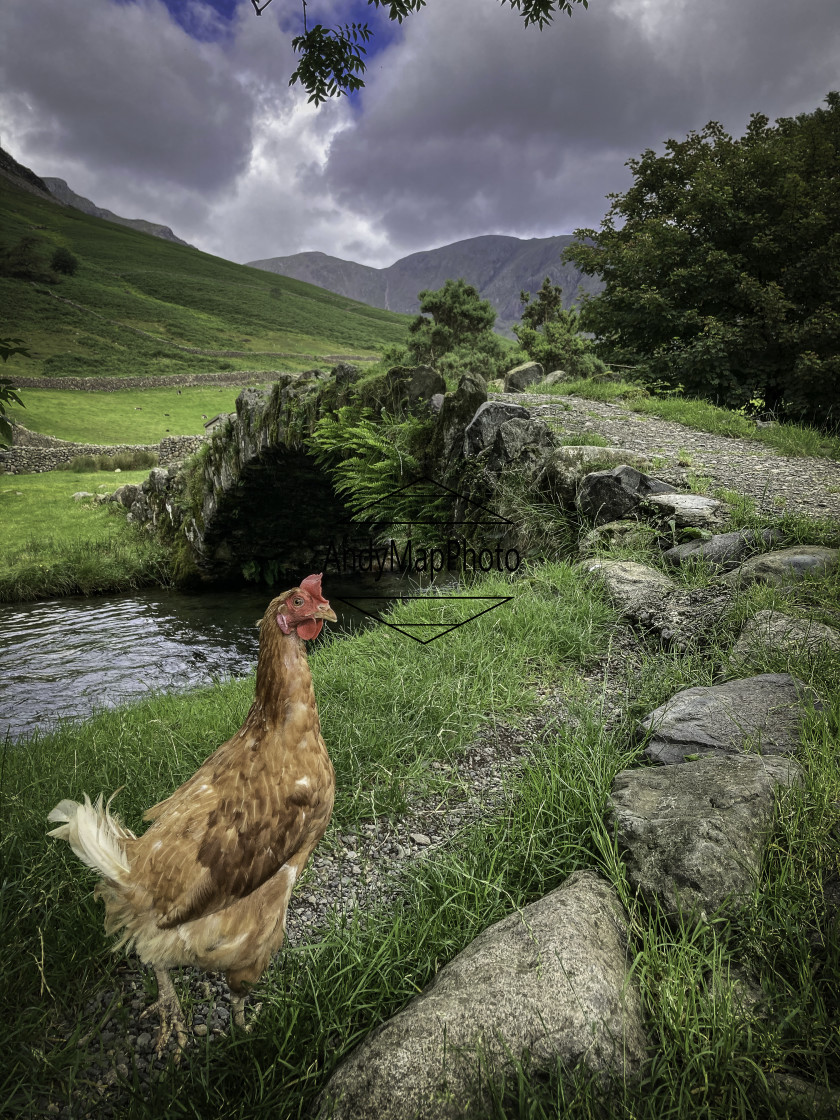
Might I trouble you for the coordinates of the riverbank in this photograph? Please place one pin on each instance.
(55, 545)
(472, 778)
(468, 785)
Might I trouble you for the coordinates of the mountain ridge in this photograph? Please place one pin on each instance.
(498, 265)
(60, 190)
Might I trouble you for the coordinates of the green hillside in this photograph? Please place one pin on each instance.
(182, 297)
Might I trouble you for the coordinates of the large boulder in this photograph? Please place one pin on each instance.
(788, 565)
(521, 377)
(692, 836)
(611, 495)
(762, 713)
(628, 583)
(686, 510)
(551, 980)
(481, 430)
(769, 631)
(565, 467)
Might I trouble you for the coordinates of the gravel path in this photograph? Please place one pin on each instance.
(777, 483)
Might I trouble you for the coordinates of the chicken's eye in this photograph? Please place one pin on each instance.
(298, 601)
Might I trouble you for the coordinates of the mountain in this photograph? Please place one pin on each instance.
(59, 189)
(144, 306)
(499, 267)
(22, 176)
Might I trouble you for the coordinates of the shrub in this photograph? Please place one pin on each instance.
(64, 262)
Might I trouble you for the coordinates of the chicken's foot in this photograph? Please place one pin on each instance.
(169, 1013)
(237, 1007)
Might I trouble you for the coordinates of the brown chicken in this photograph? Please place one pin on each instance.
(209, 881)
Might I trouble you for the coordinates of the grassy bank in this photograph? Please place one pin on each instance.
(389, 710)
(133, 416)
(787, 438)
(52, 545)
(180, 296)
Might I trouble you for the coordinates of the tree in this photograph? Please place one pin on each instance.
(332, 63)
(550, 335)
(8, 395)
(721, 265)
(459, 317)
(64, 262)
(23, 260)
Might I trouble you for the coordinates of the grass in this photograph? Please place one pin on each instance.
(180, 296)
(795, 440)
(127, 416)
(707, 1059)
(52, 545)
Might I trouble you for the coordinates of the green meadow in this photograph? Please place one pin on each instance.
(129, 281)
(128, 416)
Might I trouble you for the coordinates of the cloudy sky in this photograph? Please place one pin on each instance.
(179, 111)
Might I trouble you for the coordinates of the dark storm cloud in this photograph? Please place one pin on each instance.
(476, 124)
(123, 86)
(470, 123)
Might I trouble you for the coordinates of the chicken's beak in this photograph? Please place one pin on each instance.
(325, 613)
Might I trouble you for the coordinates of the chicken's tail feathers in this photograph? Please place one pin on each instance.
(95, 835)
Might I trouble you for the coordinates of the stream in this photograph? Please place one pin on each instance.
(69, 657)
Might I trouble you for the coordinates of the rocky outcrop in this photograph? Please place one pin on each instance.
(60, 190)
(551, 982)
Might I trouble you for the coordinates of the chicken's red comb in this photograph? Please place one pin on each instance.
(312, 586)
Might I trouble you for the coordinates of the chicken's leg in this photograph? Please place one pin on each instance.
(169, 1012)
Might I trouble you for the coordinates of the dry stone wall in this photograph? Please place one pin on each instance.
(34, 453)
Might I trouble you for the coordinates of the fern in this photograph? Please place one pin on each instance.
(376, 464)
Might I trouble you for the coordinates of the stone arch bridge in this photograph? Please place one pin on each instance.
(254, 504)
